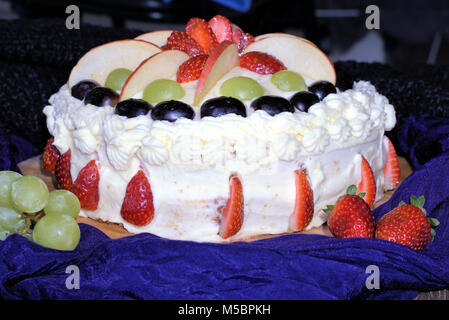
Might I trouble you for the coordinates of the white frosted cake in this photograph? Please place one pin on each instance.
(212, 136)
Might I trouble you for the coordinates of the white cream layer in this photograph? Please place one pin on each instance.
(189, 162)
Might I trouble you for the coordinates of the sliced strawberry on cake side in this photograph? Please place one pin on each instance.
(260, 62)
(50, 156)
(199, 30)
(232, 217)
(304, 207)
(137, 207)
(179, 40)
(391, 170)
(62, 171)
(86, 186)
(367, 183)
(191, 69)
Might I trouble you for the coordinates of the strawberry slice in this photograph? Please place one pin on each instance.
(221, 27)
(191, 69)
(50, 156)
(137, 207)
(368, 184)
(179, 40)
(232, 218)
(392, 170)
(303, 211)
(260, 62)
(241, 39)
(200, 31)
(62, 171)
(86, 188)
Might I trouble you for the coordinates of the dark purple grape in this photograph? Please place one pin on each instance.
(131, 108)
(322, 88)
(172, 110)
(272, 105)
(303, 100)
(82, 88)
(220, 106)
(101, 96)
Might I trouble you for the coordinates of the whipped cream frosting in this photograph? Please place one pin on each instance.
(339, 120)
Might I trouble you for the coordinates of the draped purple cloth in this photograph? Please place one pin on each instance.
(295, 266)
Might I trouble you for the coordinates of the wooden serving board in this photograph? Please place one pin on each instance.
(33, 166)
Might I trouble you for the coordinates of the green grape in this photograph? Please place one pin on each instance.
(29, 194)
(12, 221)
(287, 80)
(6, 179)
(242, 88)
(117, 78)
(59, 232)
(163, 90)
(62, 202)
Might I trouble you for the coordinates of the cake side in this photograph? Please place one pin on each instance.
(188, 162)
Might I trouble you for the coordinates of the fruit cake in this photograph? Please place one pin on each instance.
(212, 134)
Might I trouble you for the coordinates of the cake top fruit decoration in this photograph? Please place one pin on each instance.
(407, 224)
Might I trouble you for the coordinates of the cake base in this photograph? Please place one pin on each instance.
(33, 166)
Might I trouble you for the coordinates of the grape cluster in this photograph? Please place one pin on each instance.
(29, 209)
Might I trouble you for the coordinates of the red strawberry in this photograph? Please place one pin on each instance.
(137, 207)
(85, 186)
(179, 40)
(392, 170)
(200, 31)
(367, 184)
(261, 63)
(232, 218)
(191, 69)
(50, 156)
(407, 224)
(62, 171)
(221, 27)
(303, 211)
(241, 39)
(351, 217)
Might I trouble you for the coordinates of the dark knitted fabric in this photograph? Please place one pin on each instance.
(36, 57)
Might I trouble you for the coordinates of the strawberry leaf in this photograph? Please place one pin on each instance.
(362, 194)
(401, 203)
(432, 234)
(433, 222)
(352, 190)
(418, 202)
(328, 209)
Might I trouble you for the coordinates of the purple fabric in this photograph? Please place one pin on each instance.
(295, 266)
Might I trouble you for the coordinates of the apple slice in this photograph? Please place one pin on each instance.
(97, 63)
(221, 60)
(163, 65)
(297, 54)
(159, 37)
(280, 34)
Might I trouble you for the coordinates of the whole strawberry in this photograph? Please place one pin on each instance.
(351, 216)
(407, 224)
